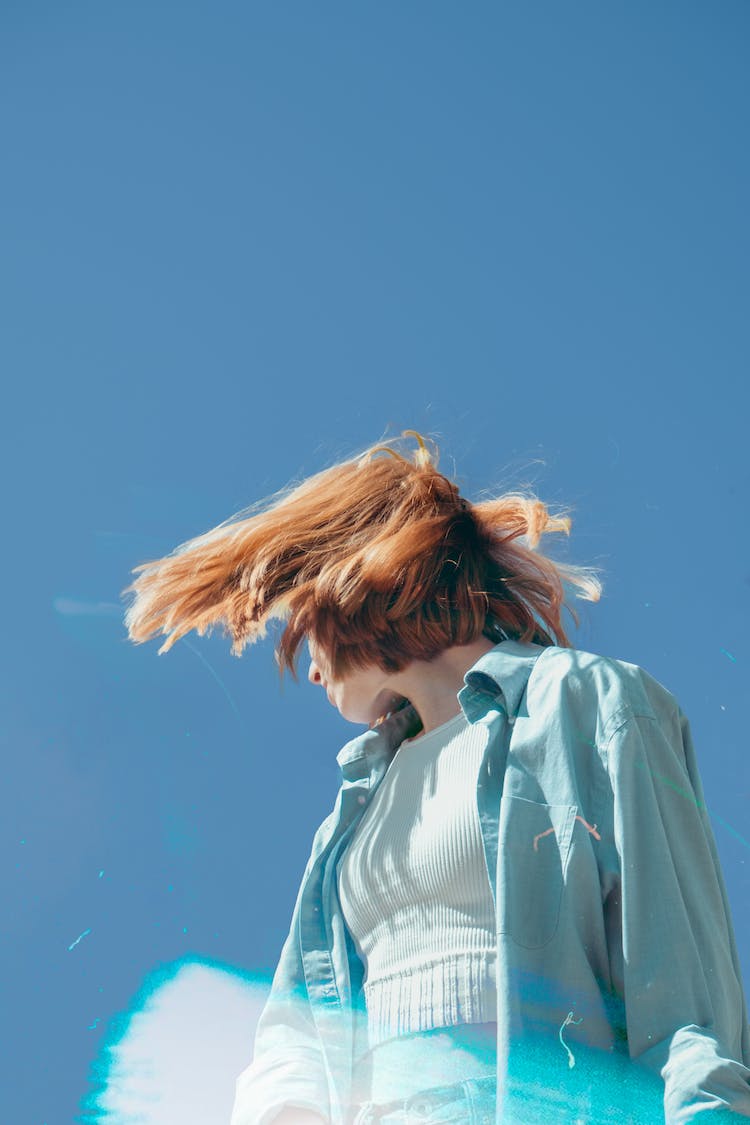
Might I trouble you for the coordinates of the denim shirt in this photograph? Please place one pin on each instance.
(619, 996)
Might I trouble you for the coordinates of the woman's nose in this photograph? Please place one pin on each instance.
(314, 675)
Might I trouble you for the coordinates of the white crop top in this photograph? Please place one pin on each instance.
(414, 889)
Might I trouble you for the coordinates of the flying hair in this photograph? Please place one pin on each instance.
(378, 559)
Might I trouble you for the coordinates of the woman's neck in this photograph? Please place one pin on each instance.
(431, 686)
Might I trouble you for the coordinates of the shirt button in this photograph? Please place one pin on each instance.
(361, 800)
(421, 1107)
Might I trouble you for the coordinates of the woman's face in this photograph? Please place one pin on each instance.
(361, 696)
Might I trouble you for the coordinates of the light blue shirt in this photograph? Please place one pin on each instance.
(618, 981)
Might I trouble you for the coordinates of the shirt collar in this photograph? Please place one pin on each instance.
(498, 677)
(358, 757)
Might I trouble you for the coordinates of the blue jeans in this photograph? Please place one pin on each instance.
(471, 1101)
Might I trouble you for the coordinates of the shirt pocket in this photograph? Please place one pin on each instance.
(532, 855)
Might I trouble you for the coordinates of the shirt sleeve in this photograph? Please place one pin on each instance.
(684, 1004)
(288, 1066)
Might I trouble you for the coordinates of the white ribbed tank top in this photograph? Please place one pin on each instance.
(414, 890)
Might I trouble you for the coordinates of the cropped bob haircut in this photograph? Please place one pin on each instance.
(379, 560)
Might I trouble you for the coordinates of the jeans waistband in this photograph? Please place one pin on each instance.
(479, 1095)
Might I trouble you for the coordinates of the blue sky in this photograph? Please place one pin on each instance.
(242, 241)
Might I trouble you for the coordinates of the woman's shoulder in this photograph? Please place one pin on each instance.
(590, 681)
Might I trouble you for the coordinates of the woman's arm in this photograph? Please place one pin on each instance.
(288, 1064)
(685, 1010)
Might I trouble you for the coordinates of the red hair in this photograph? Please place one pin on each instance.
(379, 559)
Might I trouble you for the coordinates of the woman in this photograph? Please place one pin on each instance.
(515, 911)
